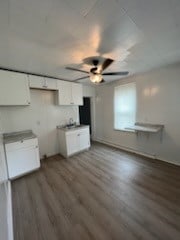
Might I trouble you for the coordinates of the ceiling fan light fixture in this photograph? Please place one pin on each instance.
(96, 78)
(96, 73)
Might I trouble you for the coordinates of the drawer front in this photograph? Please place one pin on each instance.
(21, 144)
(84, 131)
(78, 131)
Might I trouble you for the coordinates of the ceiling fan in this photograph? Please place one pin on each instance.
(96, 72)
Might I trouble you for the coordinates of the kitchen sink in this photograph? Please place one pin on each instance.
(67, 127)
(73, 126)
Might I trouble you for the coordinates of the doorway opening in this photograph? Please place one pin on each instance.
(85, 113)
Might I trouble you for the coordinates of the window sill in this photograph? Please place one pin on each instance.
(125, 130)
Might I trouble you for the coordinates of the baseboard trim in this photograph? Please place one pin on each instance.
(151, 156)
(10, 213)
(167, 161)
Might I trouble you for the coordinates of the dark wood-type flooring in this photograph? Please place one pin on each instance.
(100, 194)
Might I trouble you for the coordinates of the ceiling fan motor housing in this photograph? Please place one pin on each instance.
(93, 70)
(95, 62)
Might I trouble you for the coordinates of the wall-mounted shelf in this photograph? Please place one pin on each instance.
(147, 128)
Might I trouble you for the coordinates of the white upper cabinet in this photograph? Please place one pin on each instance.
(64, 93)
(69, 93)
(14, 89)
(36, 81)
(51, 83)
(42, 82)
(77, 94)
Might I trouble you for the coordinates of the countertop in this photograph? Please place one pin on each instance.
(18, 136)
(68, 129)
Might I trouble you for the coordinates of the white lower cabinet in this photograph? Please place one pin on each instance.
(72, 143)
(84, 141)
(22, 157)
(74, 140)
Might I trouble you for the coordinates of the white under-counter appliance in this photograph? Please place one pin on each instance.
(22, 153)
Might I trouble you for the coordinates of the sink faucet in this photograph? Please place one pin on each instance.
(71, 121)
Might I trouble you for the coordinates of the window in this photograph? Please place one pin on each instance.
(124, 106)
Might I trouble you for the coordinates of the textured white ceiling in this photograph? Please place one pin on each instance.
(45, 36)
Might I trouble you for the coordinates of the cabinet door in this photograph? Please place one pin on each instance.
(84, 140)
(64, 93)
(22, 161)
(77, 94)
(72, 143)
(51, 83)
(14, 89)
(36, 82)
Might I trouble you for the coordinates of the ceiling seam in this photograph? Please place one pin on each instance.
(126, 12)
(93, 6)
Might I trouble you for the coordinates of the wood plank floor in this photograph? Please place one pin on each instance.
(100, 194)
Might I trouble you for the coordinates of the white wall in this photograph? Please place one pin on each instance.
(158, 101)
(42, 116)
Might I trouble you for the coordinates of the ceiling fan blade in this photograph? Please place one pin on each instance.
(116, 73)
(81, 78)
(75, 69)
(63, 79)
(106, 63)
